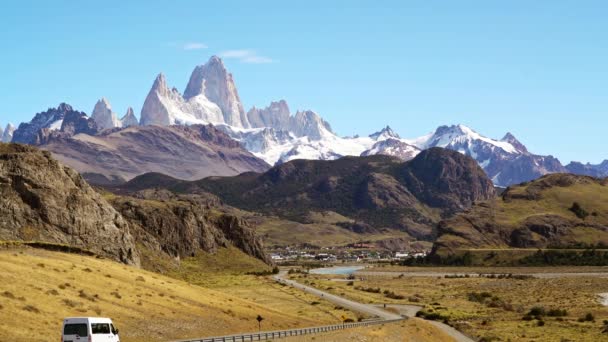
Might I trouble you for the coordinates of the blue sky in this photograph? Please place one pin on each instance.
(538, 69)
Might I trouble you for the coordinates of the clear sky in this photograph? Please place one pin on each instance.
(538, 69)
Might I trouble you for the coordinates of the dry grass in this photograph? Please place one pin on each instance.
(450, 298)
(39, 288)
(323, 232)
(411, 330)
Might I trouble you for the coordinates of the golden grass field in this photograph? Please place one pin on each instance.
(500, 320)
(411, 330)
(38, 288)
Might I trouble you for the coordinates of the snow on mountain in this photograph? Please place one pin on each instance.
(7, 135)
(52, 119)
(103, 115)
(386, 133)
(213, 82)
(506, 161)
(280, 146)
(276, 116)
(164, 107)
(460, 137)
(393, 147)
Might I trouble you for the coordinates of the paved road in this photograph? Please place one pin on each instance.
(374, 310)
(346, 303)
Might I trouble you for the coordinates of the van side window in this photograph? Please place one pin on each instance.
(114, 330)
(100, 328)
(79, 329)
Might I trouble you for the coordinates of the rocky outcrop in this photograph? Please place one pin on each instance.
(42, 200)
(52, 119)
(103, 115)
(447, 180)
(183, 225)
(216, 84)
(593, 170)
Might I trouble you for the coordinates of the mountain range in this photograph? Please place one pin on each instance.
(273, 135)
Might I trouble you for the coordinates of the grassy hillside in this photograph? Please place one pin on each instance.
(38, 288)
(556, 211)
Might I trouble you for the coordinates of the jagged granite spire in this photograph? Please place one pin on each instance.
(129, 119)
(214, 82)
(103, 115)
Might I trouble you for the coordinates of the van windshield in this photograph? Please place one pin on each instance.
(79, 329)
(100, 328)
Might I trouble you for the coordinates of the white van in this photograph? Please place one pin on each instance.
(89, 329)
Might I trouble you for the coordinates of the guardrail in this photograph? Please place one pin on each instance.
(271, 335)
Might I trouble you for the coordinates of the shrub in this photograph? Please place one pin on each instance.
(557, 313)
(540, 323)
(587, 318)
(578, 211)
(350, 283)
(537, 311)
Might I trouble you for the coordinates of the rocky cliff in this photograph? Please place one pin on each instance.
(42, 200)
(183, 225)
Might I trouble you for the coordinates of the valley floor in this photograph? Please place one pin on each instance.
(506, 309)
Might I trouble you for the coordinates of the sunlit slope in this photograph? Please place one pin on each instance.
(39, 288)
(555, 211)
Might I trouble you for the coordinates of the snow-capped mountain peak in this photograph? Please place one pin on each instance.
(217, 85)
(461, 137)
(510, 138)
(386, 133)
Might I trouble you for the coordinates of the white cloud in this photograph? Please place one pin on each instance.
(246, 56)
(194, 46)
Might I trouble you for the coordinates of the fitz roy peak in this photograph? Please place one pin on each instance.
(214, 82)
(165, 107)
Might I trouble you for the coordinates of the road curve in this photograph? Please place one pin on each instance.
(373, 310)
(346, 303)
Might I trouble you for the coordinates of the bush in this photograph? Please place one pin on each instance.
(579, 211)
(587, 318)
(540, 323)
(479, 297)
(557, 313)
(350, 283)
(537, 311)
